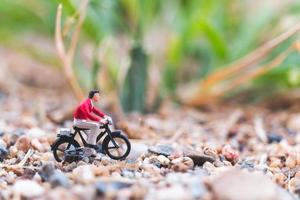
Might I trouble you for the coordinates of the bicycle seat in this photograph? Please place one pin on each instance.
(80, 129)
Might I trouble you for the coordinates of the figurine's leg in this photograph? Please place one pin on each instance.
(92, 134)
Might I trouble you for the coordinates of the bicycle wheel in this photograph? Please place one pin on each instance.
(120, 152)
(61, 145)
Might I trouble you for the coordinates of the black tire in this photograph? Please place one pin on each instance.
(65, 143)
(118, 138)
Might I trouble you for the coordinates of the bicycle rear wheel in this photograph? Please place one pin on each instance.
(61, 145)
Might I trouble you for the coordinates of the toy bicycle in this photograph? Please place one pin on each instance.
(114, 144)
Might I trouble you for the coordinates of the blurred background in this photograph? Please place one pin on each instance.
(141, 54)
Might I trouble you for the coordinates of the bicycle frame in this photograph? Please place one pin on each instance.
(106, 131)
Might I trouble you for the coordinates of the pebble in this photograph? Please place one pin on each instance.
(230, 154)
(274, 137)
(84, 174)
(163, 160)
(28, 189)
(103, 187)
(295, 185)
(46, 171)
(291, 162)
(128, 173)
(23, 143)
(59, 179)
(182, 164)
(240, 184)
(137, 149)
(3, 143)
(162, 149)
(50, 174)
(247, 164)
(3, 153)
(37, 145)
(199, 160)
(28, 173)
(209, 168)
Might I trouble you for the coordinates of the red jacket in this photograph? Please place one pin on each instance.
(88, 112)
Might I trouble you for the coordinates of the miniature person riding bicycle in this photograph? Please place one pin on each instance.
(87, 116)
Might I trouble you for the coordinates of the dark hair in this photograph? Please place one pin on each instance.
(93, 92)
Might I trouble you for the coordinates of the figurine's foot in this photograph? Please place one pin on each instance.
(97, 147)
(90, 152)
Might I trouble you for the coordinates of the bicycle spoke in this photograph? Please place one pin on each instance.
(119, 150)
(62, 150)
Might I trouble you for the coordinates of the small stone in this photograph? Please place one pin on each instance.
(37, 145)
(162, 149)
(3, 143)
(28, 189)
(28, 173)
(105, 160)
(275, 162)
(137, 149)
(128, 173)
(163, 160)
(84, 174)
(50, 174)
(23, 143)
(59, 179)
(290, 162)
(247, 164)
(13, 151)
(154, 161)
(230, 154)
(182, 164)
(210, 152)
(279, 178)
(71, 166)
(3, 153)
(209, 168)
(46, 171)
(295, 185)
(274, 138)
(103, 187)
(199, 160)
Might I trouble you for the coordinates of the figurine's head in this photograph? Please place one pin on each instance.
(94, 95)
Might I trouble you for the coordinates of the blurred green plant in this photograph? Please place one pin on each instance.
(203, 36)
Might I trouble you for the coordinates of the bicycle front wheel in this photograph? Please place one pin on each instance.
(119, 152)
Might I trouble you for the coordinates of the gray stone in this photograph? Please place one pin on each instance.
(59, 179)
(162, 149)
(50, 174)
(3, 153)
(137, 149)
(103, 187)
(199, 160)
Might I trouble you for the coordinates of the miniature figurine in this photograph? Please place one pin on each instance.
(90, 120)
(87, 116)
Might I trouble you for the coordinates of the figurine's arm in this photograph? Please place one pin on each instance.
(89, 114)
(93, 117)
(98, 112)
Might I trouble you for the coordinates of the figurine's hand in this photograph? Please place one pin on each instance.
(109, 119)
(103, 121)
